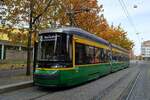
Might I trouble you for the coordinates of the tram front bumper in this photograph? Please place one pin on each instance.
(46, 78)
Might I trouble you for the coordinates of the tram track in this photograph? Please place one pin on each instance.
(126, 94)
(133, 86)
(39, 96)
(141, 85)
(102, 93)
(108, 89)
(48, 91)
(115, 90)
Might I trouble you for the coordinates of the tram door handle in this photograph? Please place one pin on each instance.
(77, 69)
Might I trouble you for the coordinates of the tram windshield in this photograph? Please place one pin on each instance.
(55, 48)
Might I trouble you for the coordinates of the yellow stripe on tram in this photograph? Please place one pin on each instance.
(55, 68)
(89, 42)
(116, 50)
(91, 64)
(72, 67)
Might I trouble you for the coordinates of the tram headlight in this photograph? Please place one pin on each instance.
(57, 66)
(37, 66)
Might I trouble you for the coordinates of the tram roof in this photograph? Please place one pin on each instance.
(118, 47)
(82, 33)
(76, 31)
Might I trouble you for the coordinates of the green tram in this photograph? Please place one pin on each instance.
(69, 56)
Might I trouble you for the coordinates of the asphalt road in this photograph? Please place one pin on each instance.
(109, 87)
(141, 87)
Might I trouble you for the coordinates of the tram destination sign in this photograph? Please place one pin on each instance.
(50, 37)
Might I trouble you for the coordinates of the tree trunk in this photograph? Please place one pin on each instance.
(28, 71)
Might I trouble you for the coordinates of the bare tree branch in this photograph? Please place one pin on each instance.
(46, 8)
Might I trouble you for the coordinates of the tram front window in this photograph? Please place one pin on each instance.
(55, 50)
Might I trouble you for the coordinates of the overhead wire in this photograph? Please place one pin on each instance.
(126, 12)
(124, 7)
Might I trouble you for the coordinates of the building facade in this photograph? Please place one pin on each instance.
(11, 51)
(145, 50)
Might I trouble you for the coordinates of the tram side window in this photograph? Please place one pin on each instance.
(125, 58)
(107, 56)
(97, 55)
(115, 57)
(121, 57)
(118, 56)
(80, 55)
(104, 55)
(90, 55)
(85, 54)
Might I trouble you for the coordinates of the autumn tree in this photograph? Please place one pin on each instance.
(92, 20)
(81, 13)
(117, 36)
(35, 15)
(31, 14)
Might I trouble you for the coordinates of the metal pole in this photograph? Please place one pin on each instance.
(71, 18)
(72, 14)
(2, 52)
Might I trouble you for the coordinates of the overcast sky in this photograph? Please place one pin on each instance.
(140, 16)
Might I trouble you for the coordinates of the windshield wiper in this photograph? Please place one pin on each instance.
(55, 44)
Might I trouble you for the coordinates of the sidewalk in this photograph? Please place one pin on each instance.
(14, 79)
(15, 82)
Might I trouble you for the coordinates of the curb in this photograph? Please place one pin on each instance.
(16, 86)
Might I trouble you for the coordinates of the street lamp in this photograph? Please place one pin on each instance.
(135, 6)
